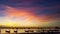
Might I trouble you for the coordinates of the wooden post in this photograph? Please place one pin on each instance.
(8, 31)
(16, 31)
(0, 31)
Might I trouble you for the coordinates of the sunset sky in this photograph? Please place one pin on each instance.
(30, 13)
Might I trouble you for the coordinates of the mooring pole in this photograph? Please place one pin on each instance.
(0, 31)
(8, 31)
(16, 30)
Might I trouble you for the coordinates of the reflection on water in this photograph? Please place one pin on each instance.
(30, 31)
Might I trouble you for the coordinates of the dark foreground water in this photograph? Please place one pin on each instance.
(34, 33)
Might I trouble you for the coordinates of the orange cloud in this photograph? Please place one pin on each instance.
(13, 12)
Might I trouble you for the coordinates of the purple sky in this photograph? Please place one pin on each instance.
(48, 10)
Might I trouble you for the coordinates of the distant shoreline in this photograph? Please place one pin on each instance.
(28, 27)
